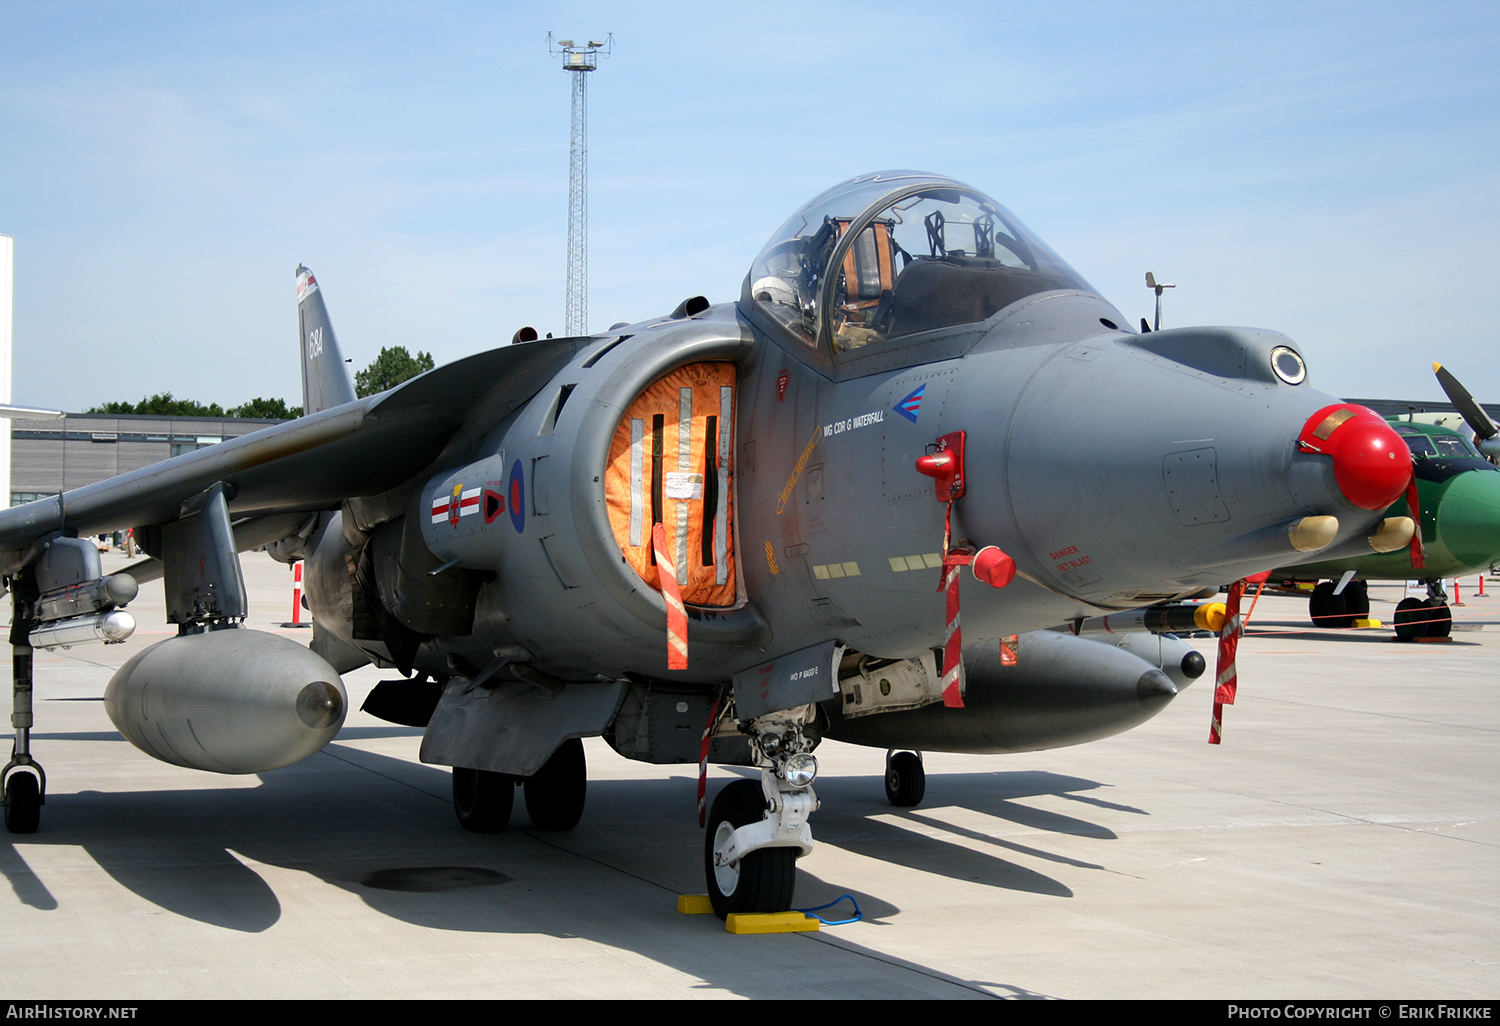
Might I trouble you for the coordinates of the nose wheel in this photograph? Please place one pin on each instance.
(758, 881)
(905, 779)
(1416, 619)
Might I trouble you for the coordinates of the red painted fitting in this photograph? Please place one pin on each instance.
(1371, 463)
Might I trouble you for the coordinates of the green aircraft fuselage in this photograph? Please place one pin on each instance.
(1460, 499)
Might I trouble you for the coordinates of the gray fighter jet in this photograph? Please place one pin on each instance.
(722, 534)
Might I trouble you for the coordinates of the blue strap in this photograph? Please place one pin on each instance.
(813, 912)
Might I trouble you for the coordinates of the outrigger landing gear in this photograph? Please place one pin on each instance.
(905, 779)
(756, 832)
(22, 782)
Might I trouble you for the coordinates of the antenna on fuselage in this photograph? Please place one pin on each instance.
(1152, 284)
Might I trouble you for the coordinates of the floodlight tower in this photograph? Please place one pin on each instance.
(579, 59)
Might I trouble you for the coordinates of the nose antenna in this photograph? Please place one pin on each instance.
(1151, 283)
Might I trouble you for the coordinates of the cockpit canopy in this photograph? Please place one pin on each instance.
(895, 254)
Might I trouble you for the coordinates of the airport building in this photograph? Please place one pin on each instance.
(60, 454)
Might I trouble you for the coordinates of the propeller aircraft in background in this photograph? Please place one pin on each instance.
(1457, 491)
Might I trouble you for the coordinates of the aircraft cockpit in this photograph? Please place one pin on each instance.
(896, 255)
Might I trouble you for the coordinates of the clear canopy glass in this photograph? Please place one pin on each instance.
(899, 253)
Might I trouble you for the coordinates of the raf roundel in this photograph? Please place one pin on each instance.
(517, 490)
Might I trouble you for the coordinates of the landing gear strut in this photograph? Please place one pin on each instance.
(22, 781)
(757, 831)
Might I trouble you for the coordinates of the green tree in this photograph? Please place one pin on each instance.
(266, 409)
(163, 404)
(393, 366)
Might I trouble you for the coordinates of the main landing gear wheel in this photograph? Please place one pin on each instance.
(1327, 609)
(555, 794)
(1411, 619)
(23, 803)
(482, 800)
(763, 880)
(1357, 601)
(905, 779)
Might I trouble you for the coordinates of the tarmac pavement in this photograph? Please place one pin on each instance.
(1341, 843)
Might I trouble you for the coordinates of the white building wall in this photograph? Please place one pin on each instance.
(7, 320)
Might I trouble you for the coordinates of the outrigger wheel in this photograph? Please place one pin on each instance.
(763, 880)
(905, 779)
(23, 802)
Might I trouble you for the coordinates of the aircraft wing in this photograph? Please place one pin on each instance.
(360, 448)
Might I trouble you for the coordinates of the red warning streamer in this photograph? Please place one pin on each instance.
(708, 730)
(954, 683)
(666, 573)
(1227, 682)
(1414, 504)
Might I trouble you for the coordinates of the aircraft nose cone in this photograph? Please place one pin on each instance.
(1468, 518)
(1371, 463)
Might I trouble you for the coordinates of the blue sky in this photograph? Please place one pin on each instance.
(1325, 169)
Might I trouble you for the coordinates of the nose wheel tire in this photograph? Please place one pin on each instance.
(905, 780)
(763, 880)
(23, 803)
(555, 794)
(482, 800)
(1439, 619)
(1418, 619)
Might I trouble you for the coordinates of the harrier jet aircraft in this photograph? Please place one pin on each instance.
(722, 534)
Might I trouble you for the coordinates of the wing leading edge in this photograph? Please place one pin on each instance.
(359, 448)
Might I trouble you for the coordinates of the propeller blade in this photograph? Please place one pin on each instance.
(1473, 414)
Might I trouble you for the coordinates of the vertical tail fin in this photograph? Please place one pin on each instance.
(325, 380)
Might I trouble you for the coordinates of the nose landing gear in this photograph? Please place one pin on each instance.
(756, 832)
(1417, 620)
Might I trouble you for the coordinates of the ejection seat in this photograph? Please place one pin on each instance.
(869, 274)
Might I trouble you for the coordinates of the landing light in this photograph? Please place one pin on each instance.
(799, 770)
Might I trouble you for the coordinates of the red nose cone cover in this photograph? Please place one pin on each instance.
(1370, 461)
(993, 567)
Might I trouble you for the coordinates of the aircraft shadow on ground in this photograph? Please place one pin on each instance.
(336, 818)
(1359, 637)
